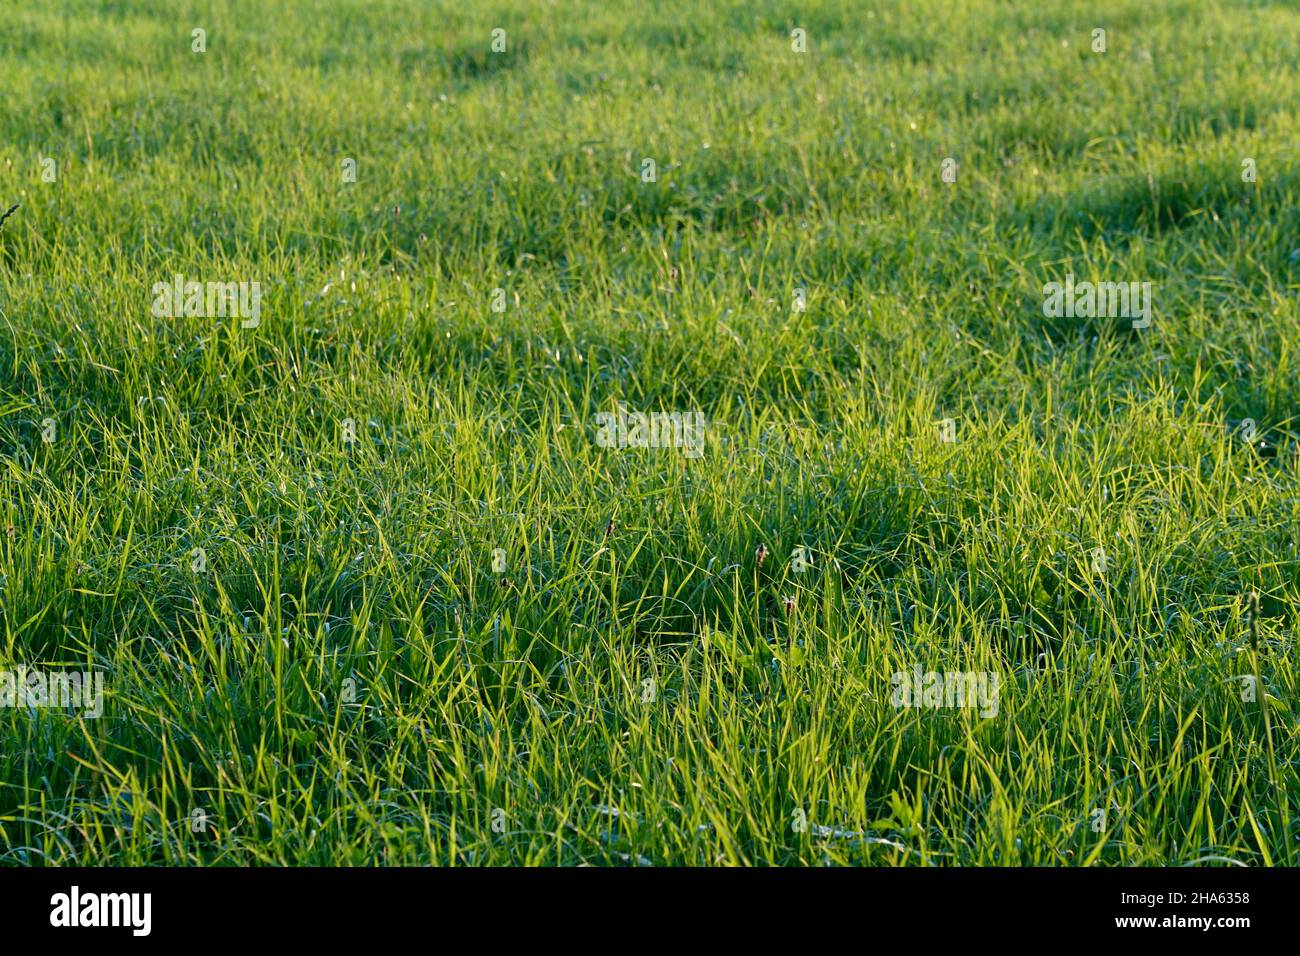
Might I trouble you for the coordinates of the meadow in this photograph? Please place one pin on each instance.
(367, 584)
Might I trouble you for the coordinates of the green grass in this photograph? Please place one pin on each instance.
(525, 692)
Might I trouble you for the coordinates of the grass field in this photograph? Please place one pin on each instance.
(363, 582)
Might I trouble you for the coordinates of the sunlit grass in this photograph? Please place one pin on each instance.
(347, 680)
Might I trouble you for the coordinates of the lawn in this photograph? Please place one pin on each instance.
(326, 334)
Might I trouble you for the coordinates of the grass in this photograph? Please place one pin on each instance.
(344, 678)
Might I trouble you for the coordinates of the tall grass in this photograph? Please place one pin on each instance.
(348, 681)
